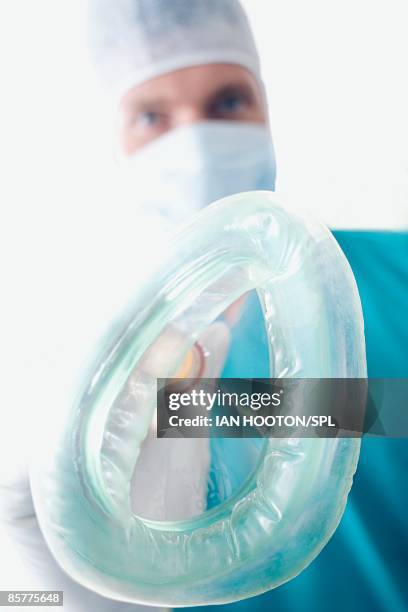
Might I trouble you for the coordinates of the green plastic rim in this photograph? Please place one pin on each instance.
(294, 501)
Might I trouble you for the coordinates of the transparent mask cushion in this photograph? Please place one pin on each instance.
(290, 505)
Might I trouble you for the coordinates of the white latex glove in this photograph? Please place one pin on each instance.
(174, 471)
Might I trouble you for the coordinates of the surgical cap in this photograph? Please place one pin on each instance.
(132, 41)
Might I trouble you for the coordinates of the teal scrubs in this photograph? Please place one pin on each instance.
(364, 567)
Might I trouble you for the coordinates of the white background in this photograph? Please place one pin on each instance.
(336, 74)
(336, 77)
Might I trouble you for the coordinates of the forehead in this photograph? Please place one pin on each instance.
(190, 85)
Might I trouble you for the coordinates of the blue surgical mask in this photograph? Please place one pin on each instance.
(194, 165)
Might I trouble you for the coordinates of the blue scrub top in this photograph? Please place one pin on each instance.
(364, 567)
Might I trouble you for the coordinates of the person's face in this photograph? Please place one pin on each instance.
(216, 92)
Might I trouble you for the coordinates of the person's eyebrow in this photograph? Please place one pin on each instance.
(148, 103)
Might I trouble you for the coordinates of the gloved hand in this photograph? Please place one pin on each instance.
(174, 471)
(169, 482)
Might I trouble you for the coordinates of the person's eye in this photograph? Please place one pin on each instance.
(229, 104)
(149, 119)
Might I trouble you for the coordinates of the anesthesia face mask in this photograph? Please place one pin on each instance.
(280, 517)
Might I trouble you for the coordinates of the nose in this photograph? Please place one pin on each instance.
(189, 114)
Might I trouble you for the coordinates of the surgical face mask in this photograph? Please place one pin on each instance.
(192, 166)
